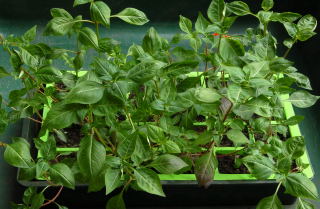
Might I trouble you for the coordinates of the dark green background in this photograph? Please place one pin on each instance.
(16, 16)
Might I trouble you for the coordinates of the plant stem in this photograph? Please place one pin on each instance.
(289, 49)
(97, 29)
(127, 184)
(45, 188)
(157, 88)
(265, 31)
(130, 120)
(102, 140)
(89, 21)
(275, 194)
(54, 198)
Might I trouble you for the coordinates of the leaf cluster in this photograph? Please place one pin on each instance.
(160, 107)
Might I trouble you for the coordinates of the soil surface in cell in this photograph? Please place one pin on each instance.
(226, 166)
(73, 135)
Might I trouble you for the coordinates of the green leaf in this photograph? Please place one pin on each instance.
(236, 73)
(302, 99)
(302, 80)
(91, 156)
(132, 16)
(171, 147)
(257, 69)
(285, 17)
(155, 133)
(148, 181)
(168, 164)
(291, 28)
(143, 72)
(62, 25)
(288, 42)
(204, 168)
(41, 167)
(62, 115)
(261, 106)
(178, 68)
(231, 50)
(116, 202)
(28, 195)
(302, 204)
(28, 58)
(271, 202)
(295, 146)
(30, 35)
(201, 24)
(304, 35)
(293, 120)
(47, 148)
(185, 24)
(299, 185)
(151, 43)
(239, 8)
(18, 155)
(237, 137)
(127, 146)
(79, 2)
(37, 201)
(48, 74)
(100, 12)
(307, 22)
(88, 38)
(259, 166)
(284, 165)
(85, 92)
(112, 179)
(78, 60)
(58, 12)
(61, 174)
(244, 111)
(216, 11)
(61, 207)
(105, 68)
(267, 5)
(204, 138)
(3, 72)
(207, 95)
(280, 64)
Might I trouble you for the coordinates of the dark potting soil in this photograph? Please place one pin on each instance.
(259, 136)
(200, 118)
(226, 166)
(225, 142)
(60, 86)
(121, 117)
(200, 129)
(73, 135)
(282, 137)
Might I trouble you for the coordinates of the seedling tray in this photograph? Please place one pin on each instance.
(182, 189)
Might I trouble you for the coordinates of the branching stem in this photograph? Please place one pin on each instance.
(54, 198)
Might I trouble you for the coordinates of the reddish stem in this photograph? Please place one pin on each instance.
(54, 198)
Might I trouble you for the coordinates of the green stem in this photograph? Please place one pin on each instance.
(130, 120)
(265, 31)
(289, 49)
(89, 21)
(103, 141)
(275, 194)
(97, 30)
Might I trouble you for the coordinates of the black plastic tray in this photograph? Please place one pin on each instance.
(179, 193)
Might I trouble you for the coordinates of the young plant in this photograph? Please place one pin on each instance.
(160, 108)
